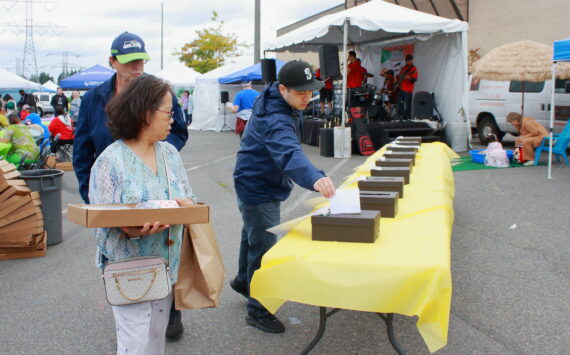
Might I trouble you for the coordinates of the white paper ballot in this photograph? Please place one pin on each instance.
(285, 227)
(345, 201)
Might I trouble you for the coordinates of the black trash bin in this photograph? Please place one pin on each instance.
(48, 183)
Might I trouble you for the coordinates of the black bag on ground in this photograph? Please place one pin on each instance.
(362, 138)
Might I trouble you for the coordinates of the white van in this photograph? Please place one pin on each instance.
(491, 101)
(43, 100)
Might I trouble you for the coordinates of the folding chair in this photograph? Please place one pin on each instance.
(559, 145)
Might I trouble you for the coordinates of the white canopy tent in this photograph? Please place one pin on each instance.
(49, 86)
(208, 113)
(11, 81)
(179, 75)
(440, 51)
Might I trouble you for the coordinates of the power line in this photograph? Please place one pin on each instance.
(29, 64)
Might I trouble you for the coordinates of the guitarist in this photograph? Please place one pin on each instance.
(405, 87)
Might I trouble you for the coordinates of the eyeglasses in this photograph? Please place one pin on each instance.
(170, 113)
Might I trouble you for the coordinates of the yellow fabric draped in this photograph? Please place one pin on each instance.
(406, 271)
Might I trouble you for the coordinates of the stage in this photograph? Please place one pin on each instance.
(381, 132)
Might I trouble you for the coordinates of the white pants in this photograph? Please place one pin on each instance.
(141, 327)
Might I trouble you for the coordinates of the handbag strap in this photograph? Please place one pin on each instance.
(169, 197)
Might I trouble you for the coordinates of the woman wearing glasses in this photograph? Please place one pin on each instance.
(132, 170)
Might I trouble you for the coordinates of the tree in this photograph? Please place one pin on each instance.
(210, 49)
(42, 78)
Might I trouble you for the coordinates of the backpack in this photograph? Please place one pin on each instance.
(362, 138)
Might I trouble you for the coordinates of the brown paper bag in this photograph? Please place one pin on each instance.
(201, 270)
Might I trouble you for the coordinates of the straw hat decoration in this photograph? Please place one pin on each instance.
(522, 60)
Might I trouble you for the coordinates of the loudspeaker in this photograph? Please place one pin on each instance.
(326, 142)
(378, 113)
(328, 60)
(268, 70)
(224, 96)
(422, 105)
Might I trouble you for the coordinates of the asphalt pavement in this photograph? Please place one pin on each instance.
(510, 268)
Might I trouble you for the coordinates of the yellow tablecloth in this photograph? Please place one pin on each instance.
(406, 271)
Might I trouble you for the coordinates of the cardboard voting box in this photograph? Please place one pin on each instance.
(95, 216)
(390, 154)
(363, 227)
(383, 183)
(384, 201)
(406, 148)
(409, 139)
(383, 162)
(392, 171)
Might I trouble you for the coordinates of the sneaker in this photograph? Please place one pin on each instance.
(175, 328)
(240, 287)
(529, 163)
(267, 323)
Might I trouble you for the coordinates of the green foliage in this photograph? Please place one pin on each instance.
(41, 78)
(210, 49)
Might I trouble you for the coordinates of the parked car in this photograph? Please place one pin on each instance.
(44, 102)
(491, 101)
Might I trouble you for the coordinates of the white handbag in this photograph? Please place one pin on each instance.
(139, 279)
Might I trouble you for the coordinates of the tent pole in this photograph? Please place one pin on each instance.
(552, 103)
(344, 70)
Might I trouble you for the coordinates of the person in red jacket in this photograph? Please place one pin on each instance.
(355, 72)
(61, 124)
(326, 92)
(407, 78)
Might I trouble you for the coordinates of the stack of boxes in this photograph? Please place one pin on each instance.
(379, 195)
(22, 232)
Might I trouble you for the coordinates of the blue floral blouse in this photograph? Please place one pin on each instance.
(120, 176)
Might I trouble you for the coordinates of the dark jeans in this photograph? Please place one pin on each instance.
(405, 104)
(255, 242)
(187, 117)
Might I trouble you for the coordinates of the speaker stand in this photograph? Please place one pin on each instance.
(225, 124)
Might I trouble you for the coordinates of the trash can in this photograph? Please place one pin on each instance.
(48, 183)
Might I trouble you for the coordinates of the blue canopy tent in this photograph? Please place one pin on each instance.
(87, 79)
(561, 54)
(251, 73)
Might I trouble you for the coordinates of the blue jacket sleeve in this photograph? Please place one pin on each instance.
(283, 145)
(83, 149)
(179, 132)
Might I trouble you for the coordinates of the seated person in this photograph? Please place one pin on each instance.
(3, 119)
(26, 110)
(62, 125)
(36, 126)
(531, 134)
(22, 141)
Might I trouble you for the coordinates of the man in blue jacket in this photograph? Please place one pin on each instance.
(92, 136)
(270, 156)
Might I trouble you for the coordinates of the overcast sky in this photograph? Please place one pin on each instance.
(90, 26)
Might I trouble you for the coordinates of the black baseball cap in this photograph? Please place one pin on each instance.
(297, 75)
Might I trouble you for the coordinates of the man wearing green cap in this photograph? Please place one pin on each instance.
(92, 135)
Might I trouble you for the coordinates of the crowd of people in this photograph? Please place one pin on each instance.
(22, 127)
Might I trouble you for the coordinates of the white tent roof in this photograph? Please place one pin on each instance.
(50, 85)
(178, 74)
(227, 68)
(11, 81)
(374, 21)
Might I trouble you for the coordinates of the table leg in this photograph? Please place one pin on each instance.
(323, 315)
(389, 320)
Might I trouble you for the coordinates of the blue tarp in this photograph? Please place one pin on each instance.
(251, 73)
(562, 50)
(87, 79)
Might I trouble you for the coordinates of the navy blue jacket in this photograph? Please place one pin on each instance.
(270, 155)
(92, 135)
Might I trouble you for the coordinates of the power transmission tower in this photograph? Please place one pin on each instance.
(64, 59)
(29, 64)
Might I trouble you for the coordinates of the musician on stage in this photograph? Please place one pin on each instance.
(326, 92)
(388, 87)
(405, 86)
(355, 71)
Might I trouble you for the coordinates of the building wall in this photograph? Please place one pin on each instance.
(494, 23)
